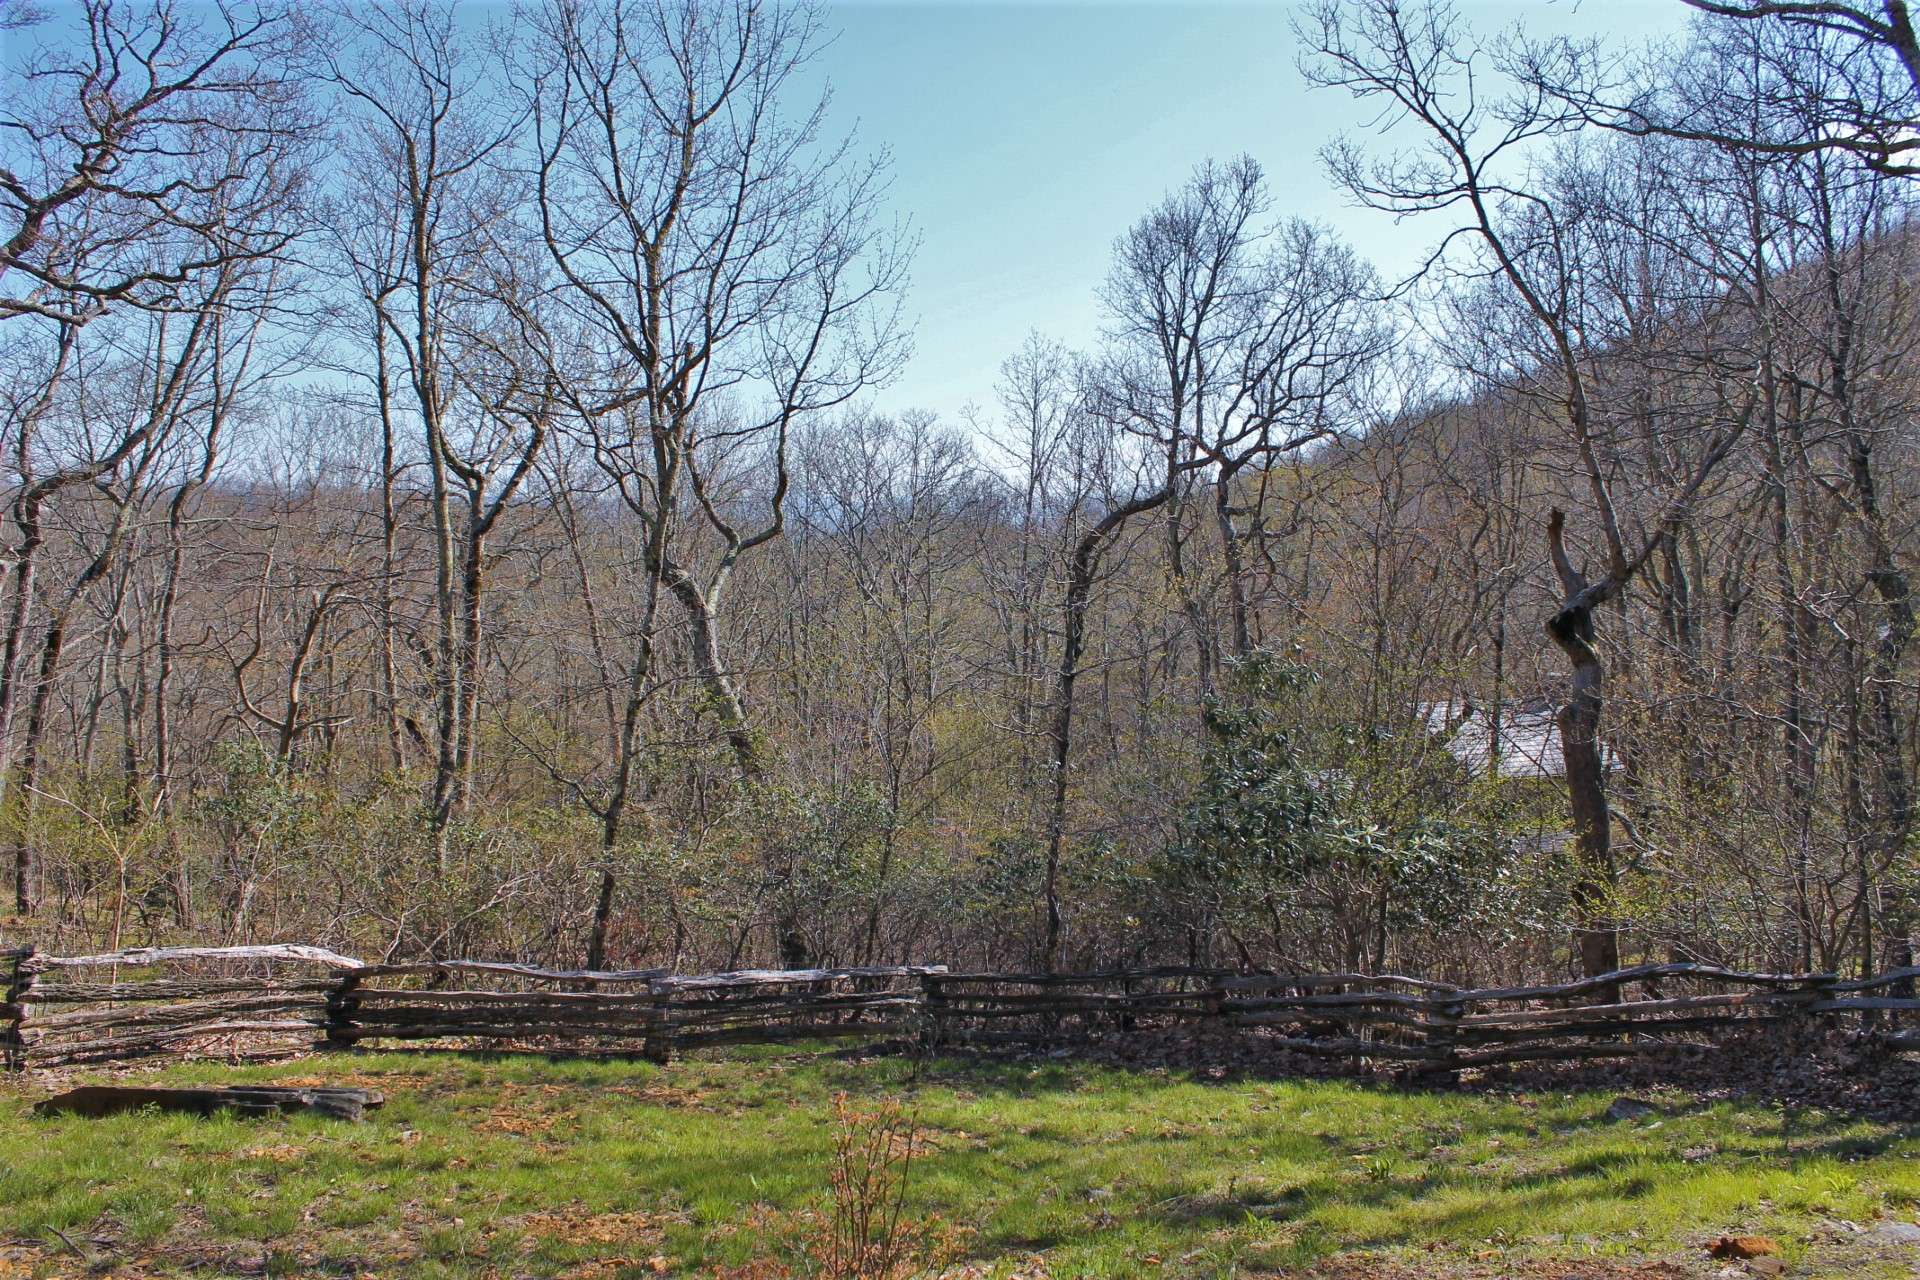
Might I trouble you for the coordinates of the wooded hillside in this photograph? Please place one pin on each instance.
(453, 508)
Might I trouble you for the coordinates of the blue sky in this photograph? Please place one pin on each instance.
(1026, 137)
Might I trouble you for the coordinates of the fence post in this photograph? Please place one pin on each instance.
(342, 1003)
(1213, 999)
(933, 1010)
(1819, 989)
(13, 1007)
(657, 1045)
(1444, 1034)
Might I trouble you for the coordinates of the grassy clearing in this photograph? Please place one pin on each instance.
(534, 1168)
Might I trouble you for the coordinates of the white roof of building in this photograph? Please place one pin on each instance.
(1529, 737)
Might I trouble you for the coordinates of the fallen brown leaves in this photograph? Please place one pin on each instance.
(515, 1123)
(1026, 1269)
(279, 1153)
(1367, 1267)
(1739, 1247)
(607, 1268)
(574, 1225)
(666, 1095)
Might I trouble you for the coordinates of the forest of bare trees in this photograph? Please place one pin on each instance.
(450, 509)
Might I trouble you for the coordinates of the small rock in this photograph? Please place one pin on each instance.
(1895, 1233)
(1766, 1267)
(1625, 1108)
(1099, 1193)
(1742, 1247)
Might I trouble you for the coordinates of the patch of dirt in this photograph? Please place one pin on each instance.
(1841, 1248)
(279, 1153)
(519, 1124)
(377, 1080)
(665, 1095)
(574, 1225)
(1367, 1267)
(1025, 1269)
(607, 1268)
(102, 1257)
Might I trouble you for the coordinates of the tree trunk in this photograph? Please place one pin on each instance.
(446, 672)
(1086, 561)
(389, 672)
(1596, 933)
(722, 693)
(25, 565)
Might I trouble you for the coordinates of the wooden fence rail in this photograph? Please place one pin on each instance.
(260, 1001)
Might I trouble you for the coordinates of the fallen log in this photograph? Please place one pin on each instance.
(108, 1099)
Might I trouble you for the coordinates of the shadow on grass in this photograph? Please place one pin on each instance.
(1328, 1162)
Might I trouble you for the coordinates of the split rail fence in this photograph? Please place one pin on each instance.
(275, 1001)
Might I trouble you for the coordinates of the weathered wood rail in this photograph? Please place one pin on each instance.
(260, 1001)
(1432, 1026)
(270, 1001)
(240, 1002)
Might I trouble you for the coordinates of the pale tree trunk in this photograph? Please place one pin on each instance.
(1233, 549)
(722, 692)
(26, 564)
(389, 524)
(473, 572)
(163, 763)
(446, 670)
(52, 646)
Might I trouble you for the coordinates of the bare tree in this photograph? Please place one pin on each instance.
(897, 506)
(730, 263)
(1826, 99)
(1236, 343)
(163, 154)
(1421, 64)
(730, 258)
(1040, 416)
(425, 243)
(1842, 77)
(118, 459)
(141, 156)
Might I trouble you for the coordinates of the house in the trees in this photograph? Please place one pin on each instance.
(1514, 738)
(1516, 741)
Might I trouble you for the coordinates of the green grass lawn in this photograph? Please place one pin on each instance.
(529, 1167)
